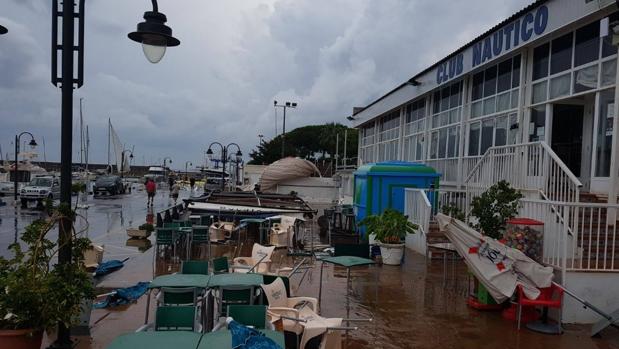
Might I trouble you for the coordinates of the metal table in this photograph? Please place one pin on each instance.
(157, 340)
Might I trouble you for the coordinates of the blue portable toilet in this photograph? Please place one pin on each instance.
(381, 185)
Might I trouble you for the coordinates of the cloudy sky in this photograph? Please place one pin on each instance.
(235, 58)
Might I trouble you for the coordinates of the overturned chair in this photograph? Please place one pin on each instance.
(259, 262)
(299, 316)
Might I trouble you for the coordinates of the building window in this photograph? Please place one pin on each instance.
(496, 89)
(577, 62)
(367, 143)
(492, 132)
(413, 130)
(447, 111)
(604, 133)
(388, 135)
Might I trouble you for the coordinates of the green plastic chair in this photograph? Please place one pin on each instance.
(179, 296)
(194, 267)
(175, 318)
(199, 234)
(249, 315)
(166, 237)
(172, 225)
(206, 220)
(236, 296)
(220, 265)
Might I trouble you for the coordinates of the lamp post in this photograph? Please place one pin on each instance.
(261, 136)
(153, 35)
(33, 144)
(285, 106)
(164, 167)
(122, 172)
(224, 158)
(190, 164)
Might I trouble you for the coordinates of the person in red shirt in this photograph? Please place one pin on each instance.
(151, 189)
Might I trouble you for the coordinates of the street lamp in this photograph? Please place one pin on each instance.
(224, 158)
(285, 106)
(122, 172)
(33, 144)
(152, 32)
(3, 30)
(261, 136)
(164, 166)
(154, 35)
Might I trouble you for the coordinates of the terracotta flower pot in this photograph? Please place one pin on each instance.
(21, 339)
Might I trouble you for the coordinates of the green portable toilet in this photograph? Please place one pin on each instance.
(381, 185)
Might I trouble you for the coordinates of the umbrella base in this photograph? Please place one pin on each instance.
(545, 327)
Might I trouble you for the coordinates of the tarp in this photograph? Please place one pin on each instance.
(109, 266)
(285, 169)
(244, 337)
(498, 267)
(122, 296)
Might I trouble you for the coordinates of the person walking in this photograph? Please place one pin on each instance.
(151, 189)
(174, 190)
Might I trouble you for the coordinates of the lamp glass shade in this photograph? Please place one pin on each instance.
(153, 53)
(32, 144)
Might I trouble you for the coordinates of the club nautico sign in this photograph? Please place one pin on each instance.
(503, 40)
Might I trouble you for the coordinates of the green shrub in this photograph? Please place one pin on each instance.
(494, 208)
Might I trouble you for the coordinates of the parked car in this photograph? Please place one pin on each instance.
(6, 188)
(39, 189)
(109, 184)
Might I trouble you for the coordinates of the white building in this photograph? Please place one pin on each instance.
(530, 101)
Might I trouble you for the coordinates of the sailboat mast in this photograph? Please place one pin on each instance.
(81, 134)
(87, 147)
(109, 129)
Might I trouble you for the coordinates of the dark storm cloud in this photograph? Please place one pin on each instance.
(234, 59)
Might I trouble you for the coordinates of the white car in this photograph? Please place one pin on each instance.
(6, 188)
(39, 189)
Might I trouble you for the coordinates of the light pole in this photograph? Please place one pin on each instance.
(122, 172)
(33, 144)
(224, 158)
(164, 167)
(152, 33)
(285, 106)
(190, 164)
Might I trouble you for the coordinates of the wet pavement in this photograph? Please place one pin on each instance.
(415, 305)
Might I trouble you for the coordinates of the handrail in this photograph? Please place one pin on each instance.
(561, 164)
(546, 147)
(572, 204)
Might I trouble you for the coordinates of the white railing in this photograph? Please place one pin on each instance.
(419, 210)
(449, 197)
(577, 236)
(527, 167)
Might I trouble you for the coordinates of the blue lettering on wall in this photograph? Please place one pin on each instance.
(504, 39)
(541, 20)
(497, 42)
(526, 31)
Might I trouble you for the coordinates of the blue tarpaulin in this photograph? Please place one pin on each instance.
(244, 337)
(109, 266)
(123, 296)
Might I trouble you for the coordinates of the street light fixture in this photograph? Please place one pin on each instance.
(154, 35)
(224, 159)
(32, 144)
(285, 106)
(3, 30)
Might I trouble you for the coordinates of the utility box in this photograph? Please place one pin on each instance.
(381, 185)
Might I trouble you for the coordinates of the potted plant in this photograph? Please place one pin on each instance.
(142, 232)
(494, 207)
(35, 293)
(390, 228)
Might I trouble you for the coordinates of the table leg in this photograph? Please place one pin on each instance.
(147, 307)
(320, 287)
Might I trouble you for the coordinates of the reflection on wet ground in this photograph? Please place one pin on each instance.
(414, 306)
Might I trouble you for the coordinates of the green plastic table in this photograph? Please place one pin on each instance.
(157, 340)
(347, 262)
(180, 280)
(235, 279)
(175, 280)
(223, 339)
